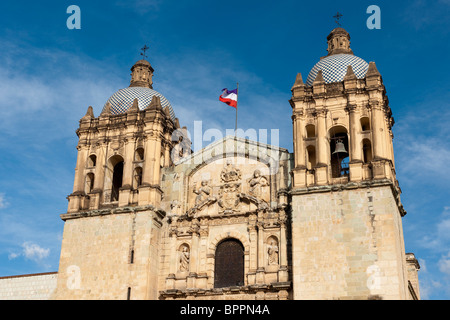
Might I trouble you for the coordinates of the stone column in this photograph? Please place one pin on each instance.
(377, 129)
(157, 164)
(149, 191)
(380, 166)
(193, 263)
(77, 198)
(355, 164)
(100, 167)
(322, 148)
(299, 128)
(149, 158)
(127, 180)
(299, 171)
(355, 150)
(202, 277)
(253, 263)
(260, 270)
(170, 280)
(283, 271)
(78, 184)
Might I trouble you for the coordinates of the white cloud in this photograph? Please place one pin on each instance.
(13, 255)
(422, 148)
(46, 94)
(444, 264)
(439, 238)
(31, 251)
(34, 252)
(3, 202)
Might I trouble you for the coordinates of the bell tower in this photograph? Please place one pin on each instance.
(346, 209)
(111, 241)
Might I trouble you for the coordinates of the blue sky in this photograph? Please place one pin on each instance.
(49, 75)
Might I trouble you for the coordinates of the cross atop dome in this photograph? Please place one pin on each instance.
(337, 17)
(145, 48)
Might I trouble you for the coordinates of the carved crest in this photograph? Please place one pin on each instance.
(229, 191)
(228, 194)
(230, 173)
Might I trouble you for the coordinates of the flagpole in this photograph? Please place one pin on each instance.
(237, 94)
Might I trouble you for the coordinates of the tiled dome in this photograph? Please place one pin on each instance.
(124, 98)
(334, 68)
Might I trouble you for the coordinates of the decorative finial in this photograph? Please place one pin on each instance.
(145, 48)
(337, 17)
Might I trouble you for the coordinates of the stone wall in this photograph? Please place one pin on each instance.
(348, 244)
(110, 254)
(28, 287)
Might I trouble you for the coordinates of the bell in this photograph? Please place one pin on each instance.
(340, 148)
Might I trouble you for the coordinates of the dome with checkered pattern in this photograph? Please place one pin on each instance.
(123, 99)
(334, 68)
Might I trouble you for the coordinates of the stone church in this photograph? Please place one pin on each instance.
(240, 219)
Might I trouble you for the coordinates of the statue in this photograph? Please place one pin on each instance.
(256, 184)
(272, 250)
(202, 193)
(184, 259)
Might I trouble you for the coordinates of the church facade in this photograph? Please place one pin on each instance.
(240, 219)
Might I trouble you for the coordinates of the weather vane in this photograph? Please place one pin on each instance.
(145, 48)
(337, 17)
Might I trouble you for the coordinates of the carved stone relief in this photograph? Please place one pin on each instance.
(228, 191)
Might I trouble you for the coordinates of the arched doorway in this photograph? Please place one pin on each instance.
(229, 264)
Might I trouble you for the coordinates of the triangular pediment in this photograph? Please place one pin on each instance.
(231, 146)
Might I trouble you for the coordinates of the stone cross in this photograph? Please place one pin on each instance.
(337, 17)
(145, 48)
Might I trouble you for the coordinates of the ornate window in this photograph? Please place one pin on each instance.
(229, 264)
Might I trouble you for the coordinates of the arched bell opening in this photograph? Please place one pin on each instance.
(89, 183)
(367, 150)
(139, 154)
(137, 177)
(115, 175)
(365, 124)
(310, 131)
(339, 152)
(92, 161)
(310, 157)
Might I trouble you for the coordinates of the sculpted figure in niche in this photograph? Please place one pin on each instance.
(272, 250)
(184, 259)
(257, 183)
(202, 193)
